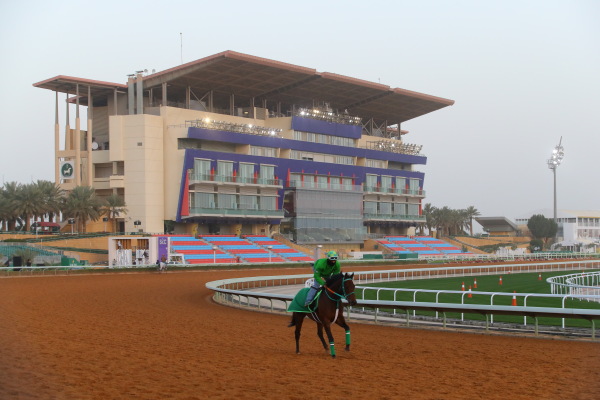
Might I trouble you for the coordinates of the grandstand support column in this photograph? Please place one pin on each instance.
(232, 104)
(140, 93)
(115, 105)
(68, 142)
(56, 141)
(188, 96)
(89, 136)
(77, 139)
(210, 101)
(164, 94)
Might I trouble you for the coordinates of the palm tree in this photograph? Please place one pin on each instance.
(51, 196)
(9, 194)
(470, 213)
(114, 205)
(28, 203)
(429, 213)
(82, 204)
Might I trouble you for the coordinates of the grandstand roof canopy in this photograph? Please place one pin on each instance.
(247, 76)
(496, 224)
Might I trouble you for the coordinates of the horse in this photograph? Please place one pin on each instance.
(330, 309)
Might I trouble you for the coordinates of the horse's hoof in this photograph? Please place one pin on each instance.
(333, 356)
(347, 349)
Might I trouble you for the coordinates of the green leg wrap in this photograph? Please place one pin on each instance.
(347, 338)
(332, 348)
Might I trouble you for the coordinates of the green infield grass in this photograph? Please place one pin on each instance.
(520, 283)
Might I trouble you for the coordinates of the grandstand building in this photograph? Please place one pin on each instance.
(236, 144)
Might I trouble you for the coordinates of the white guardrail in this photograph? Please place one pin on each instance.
(272, 289)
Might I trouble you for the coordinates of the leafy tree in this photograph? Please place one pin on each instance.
(428, 213)
(542, 228)
(114, 206)
(536, 245)
(83, 205)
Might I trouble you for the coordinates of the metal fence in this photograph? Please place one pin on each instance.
(270, 293)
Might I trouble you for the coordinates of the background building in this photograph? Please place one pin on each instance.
(236, 144)
(574, 226)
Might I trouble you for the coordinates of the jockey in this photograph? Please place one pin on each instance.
(324, 268)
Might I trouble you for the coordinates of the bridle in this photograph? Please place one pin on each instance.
(340, 296)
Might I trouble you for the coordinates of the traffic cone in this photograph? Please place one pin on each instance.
(539, 277)
(514, 300)
(462, 287)
(469, 295)
(500, 281)
(475, 283)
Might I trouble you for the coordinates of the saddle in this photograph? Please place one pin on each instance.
(297, 305)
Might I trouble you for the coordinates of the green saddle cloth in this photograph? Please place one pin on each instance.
(297, 305)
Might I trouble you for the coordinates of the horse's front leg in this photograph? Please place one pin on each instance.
(342, 322)
(327, 326)
(320, 334)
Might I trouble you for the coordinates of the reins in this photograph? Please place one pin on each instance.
(342, 295)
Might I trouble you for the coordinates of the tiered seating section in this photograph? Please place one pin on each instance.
(422, 245)
(233, 249)
(196, 251)
(281, 249)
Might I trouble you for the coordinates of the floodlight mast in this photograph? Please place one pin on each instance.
(555, 159)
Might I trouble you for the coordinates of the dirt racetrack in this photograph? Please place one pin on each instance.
(160, 336)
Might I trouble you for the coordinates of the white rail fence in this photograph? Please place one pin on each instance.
(234, 290)
(584, 284)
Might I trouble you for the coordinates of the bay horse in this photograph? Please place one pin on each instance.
(330, 309)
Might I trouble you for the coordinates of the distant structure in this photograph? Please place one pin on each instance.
(498, 226)
(574, 226)
(237, 144)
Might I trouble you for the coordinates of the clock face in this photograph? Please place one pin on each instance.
(66, 170)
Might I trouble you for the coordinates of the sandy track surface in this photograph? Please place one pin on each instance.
(160, 336)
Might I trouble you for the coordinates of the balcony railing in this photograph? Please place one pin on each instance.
(393, 217)
(406, 192)
(238, 212)
(196, 178)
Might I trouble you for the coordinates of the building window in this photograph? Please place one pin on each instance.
(386, 182)
(267, 203)
(414, 185)
(370, 207)
(267, 173)
(413, 209)
(249, 202)
(399, 209)
(263, 151)
(375, 163)
(224, 171)
(385, 208)
(201, 169)
(321, 157)
(226, 201)
(324, 139)
(246, 174)
(202, 200)
(371, 183)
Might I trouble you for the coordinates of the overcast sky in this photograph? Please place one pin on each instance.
(522, 73)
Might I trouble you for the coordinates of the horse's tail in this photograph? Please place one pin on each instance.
(292, 322)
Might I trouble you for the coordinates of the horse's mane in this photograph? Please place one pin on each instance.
(332, 279)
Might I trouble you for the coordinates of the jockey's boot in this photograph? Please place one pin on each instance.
(310, 296)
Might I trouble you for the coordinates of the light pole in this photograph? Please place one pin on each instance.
(105, 219)
(214, 254)
(137, 223)
(71, 222)
(270, 248)
(555, 159)
(318, 251)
